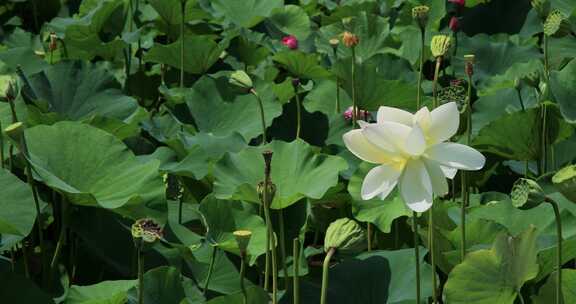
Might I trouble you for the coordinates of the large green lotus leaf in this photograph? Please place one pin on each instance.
(563, 84)
(494, 56)
(372, 30)
(17, 211)
(301, 65)
(255, 295)
(504, 137)
(379, 277)
(373, 90)
(91, 166)
(15, 288)
(163, 285)
(201, 52)
(224, 217)
(20, 51)
(494, 275)
(297, 171)
(246, 13)
(292, 20)
(106, 292)
(220, 110)
(547, 293)
(86, 35)
(379, 212)
(77, 90)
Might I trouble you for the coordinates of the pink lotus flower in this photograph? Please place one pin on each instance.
(362, 114)
(461, 3)
(291, 42)
(454, 24)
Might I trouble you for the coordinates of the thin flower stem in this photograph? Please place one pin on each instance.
(296, 264)
(140, 275)
(520, 297)
(464, 176)
(272, 244)
(337, 96)
(25, 259)
(210, 269)
(416, 253)
(559, 297)
(242, 274)
(369, 236)
(298, 115)
(325, 266)
(183, 14)
(353, 72)
(520, 100)
(262, 115)
(543, 139)
(420, 71)
(435, 84)
(62, 236)
(432, 255)
(283, 246)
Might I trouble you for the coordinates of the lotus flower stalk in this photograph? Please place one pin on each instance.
(210, 269)
(243, 239)
(145, 233)
(267, 190)
(296, 264)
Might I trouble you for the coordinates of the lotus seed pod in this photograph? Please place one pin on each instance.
(440, 45)
(420, 14)
(526, 194)
(15, 131)
(349, 39)
(565, 182)
(241, 79)
(334, 42)
(469, 61)
(346, 236)
(556, 24)
(242, 239)
(145, 232)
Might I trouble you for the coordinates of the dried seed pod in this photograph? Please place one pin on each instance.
(146, 231)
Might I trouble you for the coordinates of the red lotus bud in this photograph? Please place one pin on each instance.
(460, 3)
(290, 42)
(454, 24)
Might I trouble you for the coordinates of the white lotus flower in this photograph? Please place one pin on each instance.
(411, 151)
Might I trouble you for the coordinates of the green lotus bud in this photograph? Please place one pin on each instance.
(146, 232)
(15, 131)
(565, 182)
(242, 239)
(241, 79)
(420, 15)
(517, 83)
(346, 236)
(526, 194)
(440, 45)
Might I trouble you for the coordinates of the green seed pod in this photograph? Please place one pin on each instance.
(242, 239)
(241, 79)
(346, 236)
(526, 194)
(145, 232)
(440, 45)
(565, 182)
(556, 24)
(420, 14)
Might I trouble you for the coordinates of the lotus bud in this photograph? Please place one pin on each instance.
(565, 182)
(460, 3)
(290, 42)
(469, 61)
(350, 40)
(15, 131)
(242, 239)
(542, 7)
(241, 79)
(145, 232)
(420, 15)
(526, 194)
(454, 24)
(346, 236)
(440, 45)
(362, 114)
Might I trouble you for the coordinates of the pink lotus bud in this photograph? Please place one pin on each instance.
(460, 3)
(454, 24)
(291, 42)
(362, 114)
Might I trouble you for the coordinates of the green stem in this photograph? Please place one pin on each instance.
(210, 269)
(25, 256)
(242, 274)
(546, 60)
(140, 275)
(421, 72)
(520, 99)
(296, 264)
(369, 236)
(543, 141)
(435, 84)
(559, 297)
(271, 242)
(62, 236)
(353, 72)
(416, 254)
(337, 96)
(464, 175)
(298, 115)
(432, 255)
(262, 115)
(520, 296)
(1, 146)
(325, 266)
(283, 247)
(183, 13)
